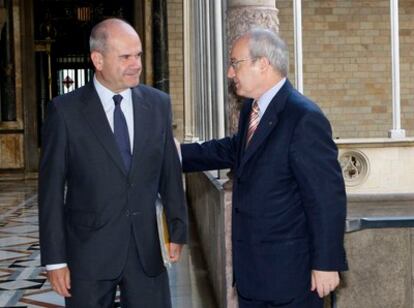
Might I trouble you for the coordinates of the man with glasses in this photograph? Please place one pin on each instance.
(289, 201)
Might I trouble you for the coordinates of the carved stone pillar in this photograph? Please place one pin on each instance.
(243, 15)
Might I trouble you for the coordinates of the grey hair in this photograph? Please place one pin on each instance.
(99, 37)
(99, 34)
(266, 43)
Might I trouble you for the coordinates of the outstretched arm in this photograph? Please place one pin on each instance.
(210, 155)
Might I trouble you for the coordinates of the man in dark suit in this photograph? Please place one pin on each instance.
(289, 202)
(110, 144)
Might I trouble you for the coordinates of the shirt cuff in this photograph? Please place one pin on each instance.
(178, 146)
(52, 267)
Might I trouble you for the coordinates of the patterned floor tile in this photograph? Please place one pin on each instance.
(23, 282)
(14, 240)
(20, 229)
(26, 263)
(45, 298)
(5, 254)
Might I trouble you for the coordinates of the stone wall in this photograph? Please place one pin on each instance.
(375, 166)
(381, 261)
(347, 62)
(211, 205)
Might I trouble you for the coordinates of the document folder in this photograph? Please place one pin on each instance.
(163, 233)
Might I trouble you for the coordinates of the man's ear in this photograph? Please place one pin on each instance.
(97, 60)
(264, 63)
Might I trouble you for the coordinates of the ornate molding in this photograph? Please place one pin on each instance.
(242, 19)
(355, 167)
(256, 3)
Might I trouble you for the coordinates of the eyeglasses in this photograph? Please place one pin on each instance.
(235, 63)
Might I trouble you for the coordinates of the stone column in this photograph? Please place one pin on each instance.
(243, 15)
(160, 45)
(2, 18)
(29, 97)
(7, 66)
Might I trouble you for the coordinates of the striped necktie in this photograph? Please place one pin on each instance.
(253, 122)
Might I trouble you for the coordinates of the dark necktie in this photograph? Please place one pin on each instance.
(121, 132)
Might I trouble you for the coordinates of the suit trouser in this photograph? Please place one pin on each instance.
(137, 289)
(309, 300)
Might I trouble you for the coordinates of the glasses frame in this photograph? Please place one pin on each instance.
(235, 63)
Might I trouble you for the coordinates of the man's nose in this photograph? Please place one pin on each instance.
(135, 62)
(230, 72)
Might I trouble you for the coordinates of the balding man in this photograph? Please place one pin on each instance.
(110, 144)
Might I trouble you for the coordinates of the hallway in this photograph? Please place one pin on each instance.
(23, 282)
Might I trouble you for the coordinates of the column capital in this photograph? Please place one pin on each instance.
(243, 15)
(257, 3)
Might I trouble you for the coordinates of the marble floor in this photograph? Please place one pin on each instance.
(23, 282)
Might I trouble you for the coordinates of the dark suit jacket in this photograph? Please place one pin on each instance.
(289, 202)
(90, 226)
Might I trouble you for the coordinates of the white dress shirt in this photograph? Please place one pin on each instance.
(109, 106)
(267, 97)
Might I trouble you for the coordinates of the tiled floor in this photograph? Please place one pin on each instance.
(23, 282)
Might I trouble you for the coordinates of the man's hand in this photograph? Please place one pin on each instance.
(175, 251)
(324, 282)
(60, 281)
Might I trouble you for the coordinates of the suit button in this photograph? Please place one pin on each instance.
(236, 210)
(127, 213)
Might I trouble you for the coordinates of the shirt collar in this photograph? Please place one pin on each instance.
(106, 95)
(267, 97)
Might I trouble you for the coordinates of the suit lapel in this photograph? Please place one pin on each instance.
(96, 118)
(142, 125)
(267, 123)
(243, 125)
